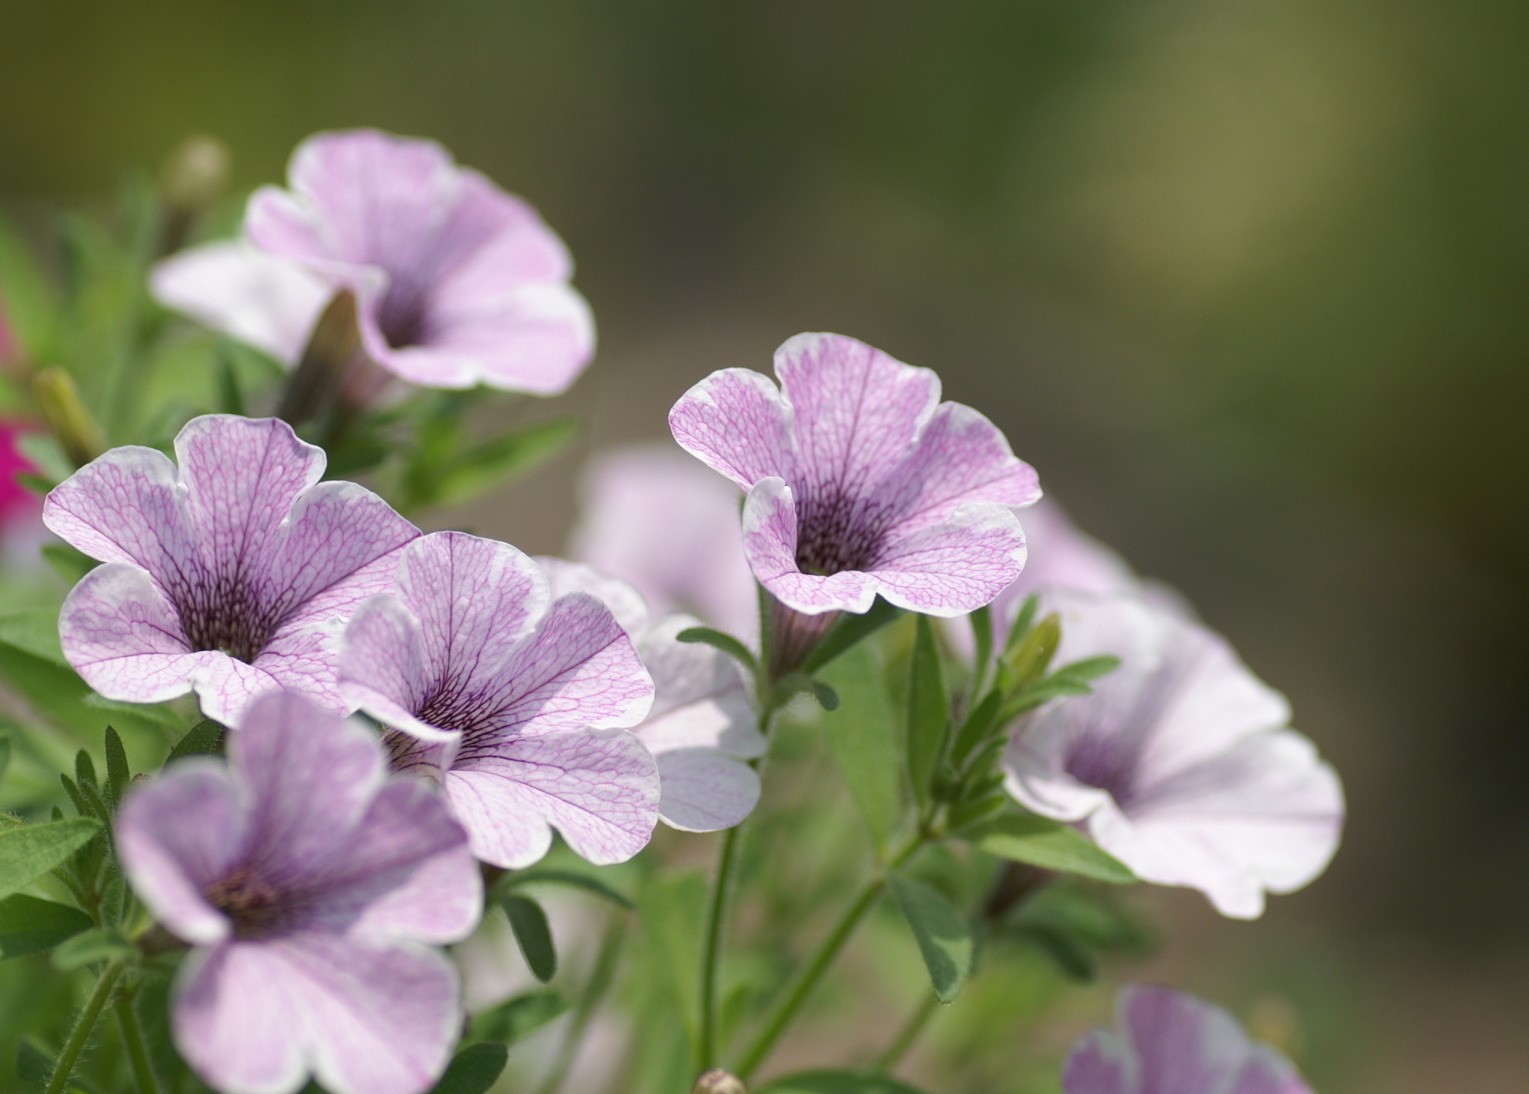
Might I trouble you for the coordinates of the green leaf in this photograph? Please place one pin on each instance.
(68, 563)
(31, 925)
(864, 735)
(1027, 662)
(1021, 625)
(670, 910)
(725, 642)
(569, 878)
(826, 696)
(473, 1070)
(5, 755)
(519, 1017)
(848, 633)
(31, 300)
(29, 852)
(1089, 668)
(118, 774)
(1051, 845)
(944, 935)
(204, 739)
(532, 933)
(465, 475)
(33, 1065)
(838, 1082)
(33, 631)
(100, 944)
(928, 711)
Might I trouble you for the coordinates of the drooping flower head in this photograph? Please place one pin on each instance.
(860, 481)
(656, 518)
(458, 283)
(228, 576)
(1172, 1043)
(517, 703)
(1180, 763)
(306, 879)
(703, 727)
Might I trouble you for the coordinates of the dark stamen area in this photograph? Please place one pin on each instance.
(837, 531)
(228, 616)
(255, 906)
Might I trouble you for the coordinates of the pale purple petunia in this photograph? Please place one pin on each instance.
(229, 576)
(517, 703)
(307, 882)
(703, 727)
(860, 481)
(656, 518)
(1172, 1043)
(1180, 763)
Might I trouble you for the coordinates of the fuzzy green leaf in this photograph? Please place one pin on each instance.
(31, 925)
(1051, 845)
(719, 640)
(944, 935)
(928, 711)
(474, 1070)
(519, 1017)
(532, 933)
(29, 852)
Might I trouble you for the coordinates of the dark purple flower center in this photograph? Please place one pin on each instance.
(1106, 763)
(403, 315)
(229, 616)
(255, 906)
(838, 530)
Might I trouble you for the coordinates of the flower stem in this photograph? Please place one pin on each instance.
(711, 954)
(84, 1025)
(826, 953)
(137, 1048)
(914, 1026)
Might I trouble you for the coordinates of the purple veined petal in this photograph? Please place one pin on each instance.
(124, 638)
(953, 567)
(600, 790)
(621, 597)
(960, 457)
(857, 411)
(702, 697)
(736, 422)
(176, 837)
(499, 242)
(579, 670)
(309, 775)
(769, 542)
(128, 506)
(1099, 1064)
(404, 873)
(266, 302)
(383, 669)
(702, 790)
(254, 1018)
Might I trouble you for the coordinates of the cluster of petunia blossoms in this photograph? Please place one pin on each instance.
(395, 729)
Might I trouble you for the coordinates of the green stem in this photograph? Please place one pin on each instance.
(137, 1047)
(914, 1026)
(84, 1025)
(600, 981)
(711, 954)
(827, 952)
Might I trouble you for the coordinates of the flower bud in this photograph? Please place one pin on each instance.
(71, 424)
(1028, 661)
(195, 175)
(317, 383)
(717, 1081)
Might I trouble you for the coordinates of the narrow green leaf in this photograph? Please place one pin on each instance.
(838, 1082)
(944, 935)
(118, 774)
(532, 933)
(31, 925)
(1051, 845)
(33, 631)
(569, 878)
(518, 1018)
(928, 711)
(1089, 668)
(849, 632)
(1027, 662)
(84, 769)
(482, 468)
(981, 622)
(29, 852)
(33, 1065)
(1021, 625)
(100, 944)
(474, 1070)
(725, 642)
(865, 737)
(982, 720)
(1068, 953)
(204, 739)
(670, 909)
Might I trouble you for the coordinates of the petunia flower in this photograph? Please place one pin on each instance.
(1172, 1043)
(703, 727)
(458, 283)
(518, 704)
(307, 882)
(1180, 763)
(229, 577)
(860, 481)
(19, 507)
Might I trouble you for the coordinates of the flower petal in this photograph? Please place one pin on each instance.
(123, 637)
(623, 599)
(736, 422)
(769, 541)
(600, 790)
(959, 458)
(1180, 1042)
(383, 669)
(702, 790)
(952, 567)
(233, 1020)
(702, 696)
(1099, 1064)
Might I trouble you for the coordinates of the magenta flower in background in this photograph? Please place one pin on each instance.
(306, 880)
(860, 481)
(19, 507)
(518, 704)
(229, 577)
(1180, 762)
(655, 518)
(1172, 1043)
(703, 727)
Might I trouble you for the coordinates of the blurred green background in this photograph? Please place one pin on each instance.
(1245, 282)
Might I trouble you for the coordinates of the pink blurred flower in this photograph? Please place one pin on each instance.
(1172, 1043)
(19, 507)
(517, 703)
(654, 517)
(860, 481)
(229, 576)
(306, 880)
(458, 283)
(1180, 763)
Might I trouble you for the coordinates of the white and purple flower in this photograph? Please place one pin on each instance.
(229, 576)
(517, 703)
(1172, 1043)
(860, 481)
(1180, 763)
(457, 282)
(308, 883)
(703, 728)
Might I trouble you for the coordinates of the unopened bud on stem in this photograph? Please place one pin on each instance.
(70, 423)
(194, 176)
(718, 1081)
(315, 385)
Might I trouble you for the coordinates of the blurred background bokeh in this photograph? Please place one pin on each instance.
(1245, 282)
